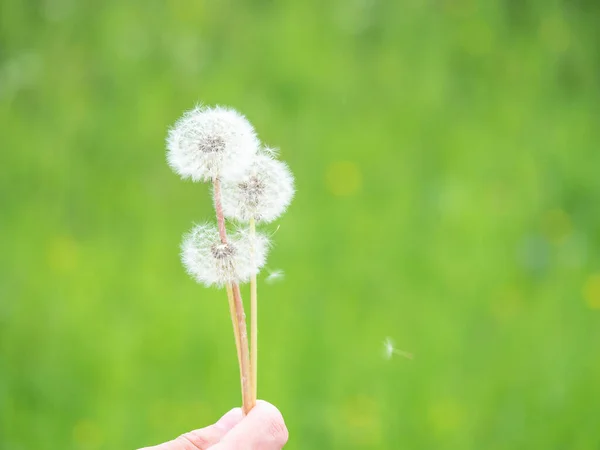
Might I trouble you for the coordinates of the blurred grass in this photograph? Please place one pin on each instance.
(447, 164)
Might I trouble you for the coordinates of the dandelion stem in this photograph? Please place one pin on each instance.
(240, 331)
(247, 402)
(236, 328)
(219, 210)
(253, 322)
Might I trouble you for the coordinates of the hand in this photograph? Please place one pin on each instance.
(262, 429)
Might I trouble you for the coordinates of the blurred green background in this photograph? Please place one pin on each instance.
(447, 161)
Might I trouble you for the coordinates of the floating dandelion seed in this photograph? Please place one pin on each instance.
(389, 350)
(211, 262)
(207, 143)
(274, 276)
(276, 230)
(263, 193)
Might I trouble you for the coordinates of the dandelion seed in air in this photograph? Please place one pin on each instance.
(389, 350)
(275, 276)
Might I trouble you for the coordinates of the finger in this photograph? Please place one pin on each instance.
(203, 438)
(262, 429)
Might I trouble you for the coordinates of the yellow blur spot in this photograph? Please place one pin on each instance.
(87, 435)
(343, 178)
(363, 422)
(591, 291)
(507, 305)
(184, 413)
(555, 34)
(556, 225)
(446, 416)
(63, 254)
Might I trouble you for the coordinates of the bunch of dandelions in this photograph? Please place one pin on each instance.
(249, 186)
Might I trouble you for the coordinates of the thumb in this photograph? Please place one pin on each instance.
(262, 429)
(203, 438)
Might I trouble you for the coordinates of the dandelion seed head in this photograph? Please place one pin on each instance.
(212, 262)
(263, 192)
(222, 251)
(253, 249)
(206, 143)
(253, 189)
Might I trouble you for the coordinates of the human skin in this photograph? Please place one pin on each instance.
(262, 429)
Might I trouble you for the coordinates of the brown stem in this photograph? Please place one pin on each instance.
(240, 331)
(219, 210)
(248, 402)
(234, 322)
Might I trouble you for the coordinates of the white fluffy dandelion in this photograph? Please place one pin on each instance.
(206, 143)
(211, 262)
(220, 146)
(262, 193)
